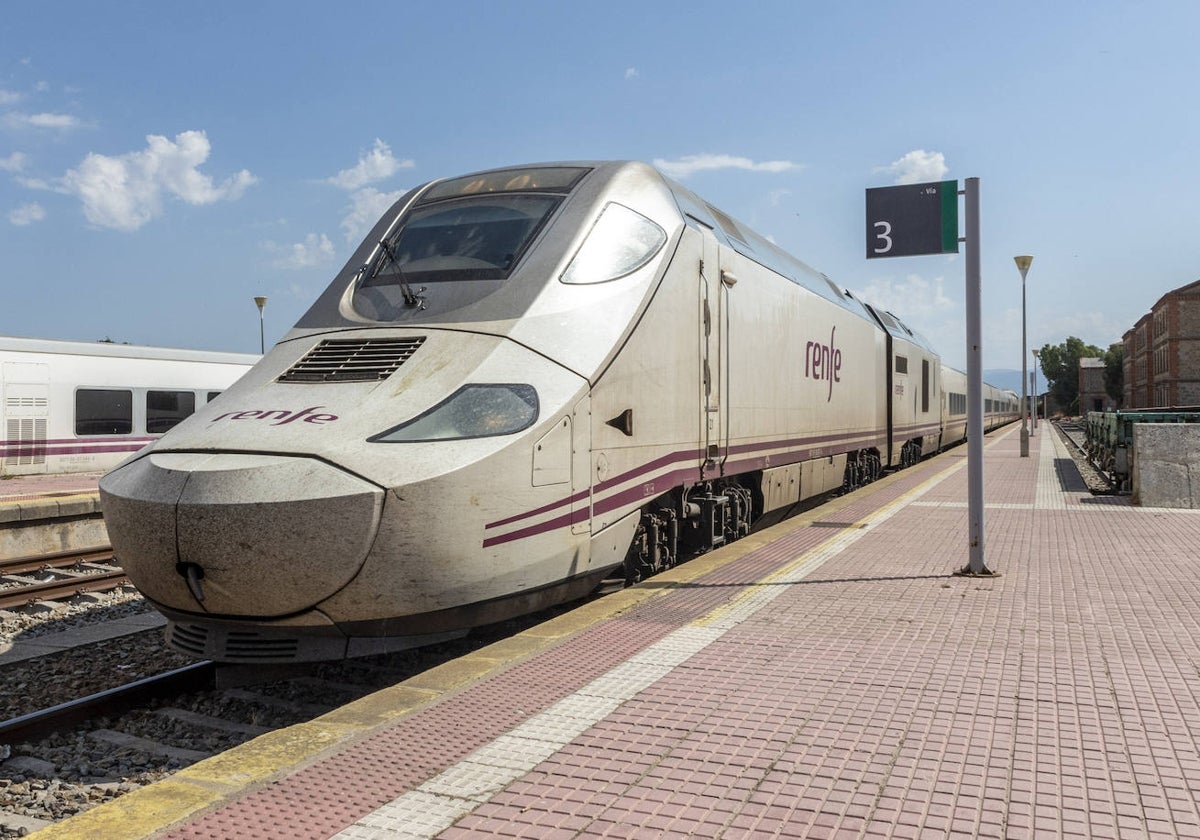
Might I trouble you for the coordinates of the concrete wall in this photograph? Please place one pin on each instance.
(1166, 465)
(46, 526)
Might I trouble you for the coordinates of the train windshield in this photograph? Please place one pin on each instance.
(470, 230)
(469, 239)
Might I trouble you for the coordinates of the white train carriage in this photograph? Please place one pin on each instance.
(523, 382)
(913, 381)
(74, 406)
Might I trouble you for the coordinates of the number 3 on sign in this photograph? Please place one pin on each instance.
(885, 237)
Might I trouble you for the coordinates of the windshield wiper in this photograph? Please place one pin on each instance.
(411, 298)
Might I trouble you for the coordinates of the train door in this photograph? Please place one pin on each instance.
(712, 361)
(25, 409)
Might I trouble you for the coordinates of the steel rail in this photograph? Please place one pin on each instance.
(19, 596)
(57, 560)
(199, 676)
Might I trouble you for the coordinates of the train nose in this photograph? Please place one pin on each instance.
(239, 535)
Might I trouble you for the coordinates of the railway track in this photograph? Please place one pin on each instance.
(30, 727)
(26, 580)
(1072, 432)
(61, 759)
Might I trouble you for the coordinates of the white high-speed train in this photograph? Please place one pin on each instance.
(76, 406)
(525, 381)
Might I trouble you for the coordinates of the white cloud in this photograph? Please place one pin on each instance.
(918, 166)
(17, 120)
(27, 214)
(775, 197)
(691, 164)
(8, 97)
(367, 206)
(916, 300)
(14, 162)
(313, 251)
(126, 191)
(1099, 328)
(375, 165)
(631, 73)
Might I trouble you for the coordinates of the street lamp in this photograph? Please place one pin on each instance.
(1023, 263)
(261, 302)
(1034, 397)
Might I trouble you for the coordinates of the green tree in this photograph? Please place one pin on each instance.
(1060, 364)
(1114, 373)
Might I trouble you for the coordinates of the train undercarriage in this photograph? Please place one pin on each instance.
(688, 522)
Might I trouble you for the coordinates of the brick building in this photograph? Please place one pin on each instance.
(1162, 352)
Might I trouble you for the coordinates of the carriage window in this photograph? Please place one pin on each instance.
(902, 364)
(212, 395)
(166, 409)
(924, 385)
(100, 412)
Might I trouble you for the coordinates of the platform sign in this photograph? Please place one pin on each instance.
(912, 219)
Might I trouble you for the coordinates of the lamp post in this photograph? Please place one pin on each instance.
(1034, 397)
(261, 302)
(1023, 263)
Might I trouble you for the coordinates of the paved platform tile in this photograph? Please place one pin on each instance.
(838, 682)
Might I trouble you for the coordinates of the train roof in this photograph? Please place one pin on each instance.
(51, 346)
(757, 247)
(891, 322)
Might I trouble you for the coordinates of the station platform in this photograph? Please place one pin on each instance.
(828, 677)
(26, 488)
(44, 514)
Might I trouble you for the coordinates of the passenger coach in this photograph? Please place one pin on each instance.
(74, 406)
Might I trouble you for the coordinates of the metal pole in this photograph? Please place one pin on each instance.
(261, 303)
(1024, 379)
(976, 566)
(1033, 401)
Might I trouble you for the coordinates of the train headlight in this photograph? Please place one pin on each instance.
(473, 411)
(621, 242)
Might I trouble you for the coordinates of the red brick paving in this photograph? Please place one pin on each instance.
(880, 696)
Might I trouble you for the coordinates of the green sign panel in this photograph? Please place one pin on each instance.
(912, 219)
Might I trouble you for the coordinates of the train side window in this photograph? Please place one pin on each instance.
(924, 385)
(167, 409)
(902, 364)
(212, 395)
(103, 412)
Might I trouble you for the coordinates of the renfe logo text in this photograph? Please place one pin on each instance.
(280, 416)
(823, 361)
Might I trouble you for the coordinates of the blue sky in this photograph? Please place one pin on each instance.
(162, 163)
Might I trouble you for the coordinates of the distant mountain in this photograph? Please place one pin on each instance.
(1008, 379)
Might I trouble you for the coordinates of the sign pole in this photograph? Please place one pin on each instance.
(976, 564)
(914, 219)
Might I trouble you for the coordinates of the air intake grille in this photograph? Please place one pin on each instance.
(350, 360)
(231, 645)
